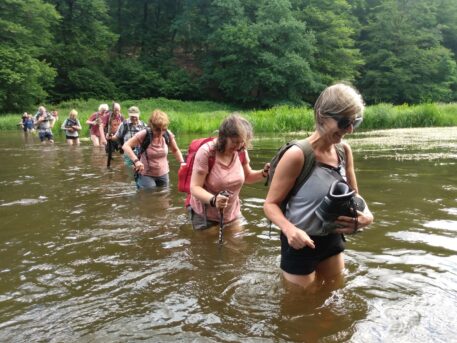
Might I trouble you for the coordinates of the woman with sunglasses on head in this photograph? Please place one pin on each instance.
(220, 169)
(308, 252)
(152, 165)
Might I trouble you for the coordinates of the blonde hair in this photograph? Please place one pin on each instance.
(103, 107)
(158, 119)
(73, 112)
(338, 99)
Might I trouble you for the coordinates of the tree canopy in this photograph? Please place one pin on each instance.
(255, 53)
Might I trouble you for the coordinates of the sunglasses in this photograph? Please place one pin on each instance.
(344, 121)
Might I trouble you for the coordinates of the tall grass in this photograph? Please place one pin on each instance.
(205, 116)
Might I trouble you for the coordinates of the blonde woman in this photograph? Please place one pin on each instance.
(308, 253)
(72, 126)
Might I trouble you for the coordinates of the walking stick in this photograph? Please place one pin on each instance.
(221, 225)
(221, 213)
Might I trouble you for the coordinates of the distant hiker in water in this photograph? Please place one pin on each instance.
(128, 129)
(27, 123)
(111, 121)
(220, 169)
(152, 163)
(72, 126)
(97, 135)
(44, 122)
(309, 253)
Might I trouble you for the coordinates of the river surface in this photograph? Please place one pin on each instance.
(84, 257)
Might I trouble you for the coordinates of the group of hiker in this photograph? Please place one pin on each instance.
(313, 194)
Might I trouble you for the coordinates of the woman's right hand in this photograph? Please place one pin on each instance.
(298, 239)
(139, 166)
(221, 201)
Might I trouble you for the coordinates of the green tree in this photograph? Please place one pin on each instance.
(336, 29)
(25, 36)
(405, 59)
(257, 53)
(82, 50)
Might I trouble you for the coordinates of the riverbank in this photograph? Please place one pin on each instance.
(205, 116)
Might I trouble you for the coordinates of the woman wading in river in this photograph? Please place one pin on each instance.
(308, 251)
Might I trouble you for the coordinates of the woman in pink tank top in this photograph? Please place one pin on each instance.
(228, 172)
(152, 165)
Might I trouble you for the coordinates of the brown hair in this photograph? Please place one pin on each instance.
(158, 119)
(234, 126)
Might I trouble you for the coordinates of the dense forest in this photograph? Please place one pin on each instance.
(255, 53)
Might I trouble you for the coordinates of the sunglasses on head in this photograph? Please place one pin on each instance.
(344, 121)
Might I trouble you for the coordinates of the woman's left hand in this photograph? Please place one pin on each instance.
(265, 170)
(350, 225)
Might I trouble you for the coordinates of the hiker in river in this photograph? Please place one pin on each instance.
(111, 121)
(151, 164)
(44, 122)
(97, 135)
(27, 123)
(128, 129)
(309, 253)
(72, 126)
(220, 169)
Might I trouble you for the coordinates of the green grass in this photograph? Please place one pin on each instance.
(205, 116)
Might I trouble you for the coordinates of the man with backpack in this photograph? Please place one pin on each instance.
(128, 129)
(151, 163)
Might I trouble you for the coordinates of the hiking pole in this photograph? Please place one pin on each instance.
(109, 135)
(221, 225)
(221, 213)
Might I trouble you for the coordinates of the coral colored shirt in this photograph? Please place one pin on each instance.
(94, 129)
(221, 177)
(116, 121)
(154, 158)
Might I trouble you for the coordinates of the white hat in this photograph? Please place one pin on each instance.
(134, 112)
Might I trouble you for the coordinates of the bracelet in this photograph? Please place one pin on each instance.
(135, 161)
(212, 201)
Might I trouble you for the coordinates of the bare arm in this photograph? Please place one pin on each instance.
(128, 149)
(196, 189)
(287, 171)
(175, 150)
(253, 176)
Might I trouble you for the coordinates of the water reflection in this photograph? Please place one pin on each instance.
(85, 257)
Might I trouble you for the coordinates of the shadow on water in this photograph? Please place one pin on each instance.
(85, 257)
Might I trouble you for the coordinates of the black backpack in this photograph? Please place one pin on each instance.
(308, 166)
(148, 139)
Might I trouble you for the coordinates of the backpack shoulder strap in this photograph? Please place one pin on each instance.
(341, 152)
(308, 166)
(125, 127)
(166, 136)
(146, 141)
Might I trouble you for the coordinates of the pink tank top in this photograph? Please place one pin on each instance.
(155, 159)
(220, 178)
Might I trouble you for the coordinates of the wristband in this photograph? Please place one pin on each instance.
(212, 201)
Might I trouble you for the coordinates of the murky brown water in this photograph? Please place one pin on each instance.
(86, 258)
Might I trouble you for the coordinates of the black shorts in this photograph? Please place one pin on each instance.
(72, 137)
(304, 261)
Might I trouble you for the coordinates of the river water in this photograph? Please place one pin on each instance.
(84, 257)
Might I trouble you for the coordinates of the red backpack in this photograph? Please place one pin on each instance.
(185, 171)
